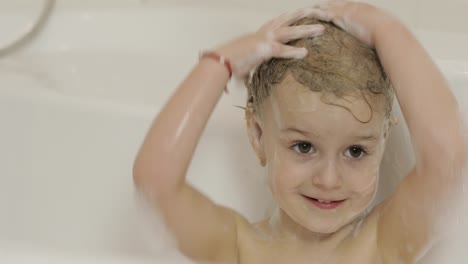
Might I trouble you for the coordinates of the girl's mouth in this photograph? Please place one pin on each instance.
(324, 204)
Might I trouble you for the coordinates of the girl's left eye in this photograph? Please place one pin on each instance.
(355, 152)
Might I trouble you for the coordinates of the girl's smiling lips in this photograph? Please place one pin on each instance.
(326, 204)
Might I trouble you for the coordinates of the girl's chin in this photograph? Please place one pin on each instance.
(325, 229)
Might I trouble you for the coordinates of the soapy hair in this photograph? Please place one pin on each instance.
(336, 64)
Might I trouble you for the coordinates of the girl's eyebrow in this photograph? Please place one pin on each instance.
(297, 130)
(370, 137)
(365, 137)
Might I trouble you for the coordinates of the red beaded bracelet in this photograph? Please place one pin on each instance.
(221, 59)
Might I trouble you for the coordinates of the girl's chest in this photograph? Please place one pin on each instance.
(360, 249)
(280, 254)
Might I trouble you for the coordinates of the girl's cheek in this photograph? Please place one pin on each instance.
(369, 183)
(366, 178)
(284, 172)
(274, 168)
(363, 179)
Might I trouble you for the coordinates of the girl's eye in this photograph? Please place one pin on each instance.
(355, 152)
(303, 147)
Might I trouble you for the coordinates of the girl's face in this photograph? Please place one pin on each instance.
(323, 163)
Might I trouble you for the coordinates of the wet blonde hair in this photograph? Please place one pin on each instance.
(337, 63)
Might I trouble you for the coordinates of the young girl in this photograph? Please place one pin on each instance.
(318, 118)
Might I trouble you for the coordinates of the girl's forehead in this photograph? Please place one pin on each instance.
(292, 104)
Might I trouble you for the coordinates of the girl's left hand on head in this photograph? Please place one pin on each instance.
(361, 20)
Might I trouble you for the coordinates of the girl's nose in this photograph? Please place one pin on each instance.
(328, 178)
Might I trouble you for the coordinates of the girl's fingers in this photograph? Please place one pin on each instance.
(286, 34)
(320, 14)
(288, 52)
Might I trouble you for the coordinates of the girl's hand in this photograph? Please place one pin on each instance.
(249, 51)
(361, 20)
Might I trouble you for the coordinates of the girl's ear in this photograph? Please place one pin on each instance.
(255, 133)
(393, 121)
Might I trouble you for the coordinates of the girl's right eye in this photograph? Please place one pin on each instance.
(303, 147)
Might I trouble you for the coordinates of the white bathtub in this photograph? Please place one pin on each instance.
(75, 106)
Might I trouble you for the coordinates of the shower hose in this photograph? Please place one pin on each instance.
(30, 32)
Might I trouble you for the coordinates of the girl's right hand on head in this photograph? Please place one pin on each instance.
(249, 51)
